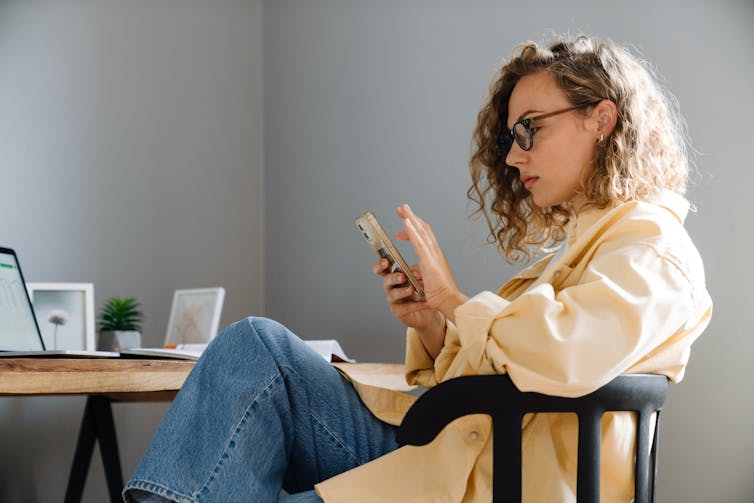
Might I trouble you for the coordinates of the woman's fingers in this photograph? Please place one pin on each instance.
(417, 238)
(407, 213)
(419, 233)
(393, 279)
(416, 271)
(403, 309)
(400, 294)
(381, 267)
(396, 284)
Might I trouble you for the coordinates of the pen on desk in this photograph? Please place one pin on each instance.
(187, 347)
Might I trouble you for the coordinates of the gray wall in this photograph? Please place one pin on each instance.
(370, 104)
(130, 157)
(131, 140)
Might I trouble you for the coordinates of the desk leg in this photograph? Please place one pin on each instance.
(97, 424)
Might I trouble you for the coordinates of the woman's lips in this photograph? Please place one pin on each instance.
(530, 180)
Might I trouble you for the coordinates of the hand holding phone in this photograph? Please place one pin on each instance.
(384, 247)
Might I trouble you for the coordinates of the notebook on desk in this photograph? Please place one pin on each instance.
(19, 331)
(194, 320)
(181, 352)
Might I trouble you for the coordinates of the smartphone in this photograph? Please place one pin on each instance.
(384, 247)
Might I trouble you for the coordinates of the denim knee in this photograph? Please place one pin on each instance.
(267, 328)
(272, 335)
(235, 337)
(243, 340)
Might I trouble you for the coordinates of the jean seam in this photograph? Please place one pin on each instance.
(291, 372)
(204, 487)
(343, 446)
(158, 489)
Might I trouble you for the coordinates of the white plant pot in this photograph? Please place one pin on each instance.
(113, 341)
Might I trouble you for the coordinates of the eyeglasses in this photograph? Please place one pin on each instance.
(522, 130)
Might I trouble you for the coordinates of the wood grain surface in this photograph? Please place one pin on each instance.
(132, 379)
(66, 376)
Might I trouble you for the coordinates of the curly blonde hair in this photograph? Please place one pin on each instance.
(644, 154)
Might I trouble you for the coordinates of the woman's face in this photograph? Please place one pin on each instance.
(563, 149)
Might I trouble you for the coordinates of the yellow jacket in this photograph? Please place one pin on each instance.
(626, 296)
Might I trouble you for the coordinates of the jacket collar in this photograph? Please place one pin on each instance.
(674, 203)
(578, 227)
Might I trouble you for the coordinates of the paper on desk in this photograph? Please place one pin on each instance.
(181, 351)
(330, 350)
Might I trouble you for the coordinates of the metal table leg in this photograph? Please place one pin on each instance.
(97, 424)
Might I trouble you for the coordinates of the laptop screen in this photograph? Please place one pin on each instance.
(18, 327)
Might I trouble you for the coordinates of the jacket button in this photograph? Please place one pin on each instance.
(473, 435)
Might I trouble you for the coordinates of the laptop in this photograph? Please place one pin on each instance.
(19, 331)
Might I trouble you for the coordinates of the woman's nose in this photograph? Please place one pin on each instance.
(515, 155)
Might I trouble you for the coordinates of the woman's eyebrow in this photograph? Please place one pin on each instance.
(530, 111)
(527, 113)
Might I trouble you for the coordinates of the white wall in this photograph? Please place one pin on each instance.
(130, 157)
(370, 104)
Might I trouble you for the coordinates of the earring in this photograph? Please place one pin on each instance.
(602, 138)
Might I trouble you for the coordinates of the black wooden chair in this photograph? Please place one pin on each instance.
(497, 396)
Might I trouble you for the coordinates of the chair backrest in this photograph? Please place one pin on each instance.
(458, 397)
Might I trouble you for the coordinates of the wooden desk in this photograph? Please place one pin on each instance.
(104, 381)
(120, 379)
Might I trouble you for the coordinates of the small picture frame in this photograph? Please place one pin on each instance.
(65, 314)
(194, 316)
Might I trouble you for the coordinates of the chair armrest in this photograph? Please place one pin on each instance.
(497, 396)
(461, 396)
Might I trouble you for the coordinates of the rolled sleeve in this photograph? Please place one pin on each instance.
(474, 320)
(571, 341)
(419, 363)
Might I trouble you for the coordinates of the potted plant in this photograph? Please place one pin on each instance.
(120, 324)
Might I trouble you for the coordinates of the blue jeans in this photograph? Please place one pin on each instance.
(259, 412)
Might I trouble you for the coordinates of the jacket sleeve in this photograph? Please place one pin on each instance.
(570, 342)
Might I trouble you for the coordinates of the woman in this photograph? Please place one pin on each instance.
(578, 148)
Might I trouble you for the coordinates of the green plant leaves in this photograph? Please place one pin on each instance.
(120, 313)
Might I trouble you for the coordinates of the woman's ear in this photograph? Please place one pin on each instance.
(604, 116)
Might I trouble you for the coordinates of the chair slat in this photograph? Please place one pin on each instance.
(588, 468)
(497, 396)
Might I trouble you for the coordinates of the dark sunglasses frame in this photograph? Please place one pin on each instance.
(521, 130)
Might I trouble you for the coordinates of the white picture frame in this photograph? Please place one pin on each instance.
(194, 316)
(65, 314)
